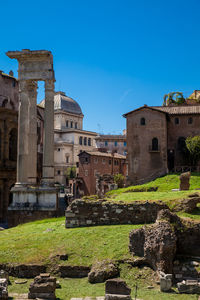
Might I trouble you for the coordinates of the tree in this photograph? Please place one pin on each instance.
(71, 172)
(119, 180)
(193, 145)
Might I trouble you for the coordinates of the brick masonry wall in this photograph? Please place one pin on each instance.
(142, 163)
(101, 212)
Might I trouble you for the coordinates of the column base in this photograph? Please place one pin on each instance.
(33, 197)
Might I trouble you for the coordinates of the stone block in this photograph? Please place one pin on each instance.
(117, 297)
(117, 286)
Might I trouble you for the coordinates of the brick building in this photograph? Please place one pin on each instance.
(9, 101)
(96, 163)
(156, 139)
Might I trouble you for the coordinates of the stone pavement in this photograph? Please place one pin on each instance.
(16, 296)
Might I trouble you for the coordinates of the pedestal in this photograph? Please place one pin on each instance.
(32, 203)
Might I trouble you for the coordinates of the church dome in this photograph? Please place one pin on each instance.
(65, 103)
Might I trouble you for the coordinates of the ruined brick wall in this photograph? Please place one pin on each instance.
(9, 95)
(91, 213)
(183, 129)
(143, 163)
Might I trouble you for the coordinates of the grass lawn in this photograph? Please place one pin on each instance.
(82, 288)
(40, 241)
(164, 192)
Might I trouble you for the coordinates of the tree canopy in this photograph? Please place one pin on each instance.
(193, 145)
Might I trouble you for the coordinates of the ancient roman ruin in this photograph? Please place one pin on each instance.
(34, 66)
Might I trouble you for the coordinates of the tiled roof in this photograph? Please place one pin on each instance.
(179, 110)
(105, 154)
(171, 110)
(111, 136)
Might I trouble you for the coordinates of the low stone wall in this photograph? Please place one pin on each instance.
(101, 212)
(23, 271)
(16, 217)
(73, 271)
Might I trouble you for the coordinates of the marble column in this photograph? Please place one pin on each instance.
(32, 96)
(23, 136)
(48, 152)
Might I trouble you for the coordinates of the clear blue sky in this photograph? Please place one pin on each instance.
(110, 55)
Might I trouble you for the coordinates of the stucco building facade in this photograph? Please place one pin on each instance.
(69, 137)
(156, 139)
(112, 143)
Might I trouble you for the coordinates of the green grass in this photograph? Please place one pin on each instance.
(164, 184)
(81, 287)
(164, 192)
(32, 243)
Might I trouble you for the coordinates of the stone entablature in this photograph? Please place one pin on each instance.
(101, 212)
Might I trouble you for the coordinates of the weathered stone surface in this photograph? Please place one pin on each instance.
(117, 297)
(117, 286)
(103, 270)
(160, 242)
(160, 246)
(3, 289)
(185, 181)
(189, 204)
(73, 271)
(23, 271)
(101, 212)
(157, 243)
(43, 287)
(165, 282)
(189, 287)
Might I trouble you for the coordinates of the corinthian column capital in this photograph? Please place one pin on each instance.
(49, 85)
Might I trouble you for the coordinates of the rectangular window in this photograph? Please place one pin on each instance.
(67, 159)
(124, 144)
(103, 161)
(71, 124)
(89, 142)
(115, 143)
(109, 161)
(67, 123)
(86, 172)
(77, 164)
(95, 160)
(106, 143)
(85, 141)
(76, 125)
(58, 172)
(80, 140)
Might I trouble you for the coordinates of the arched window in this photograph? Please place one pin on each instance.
(190, 120)
(155, 144)
(13, 145)
(176, 121)
(142, 121)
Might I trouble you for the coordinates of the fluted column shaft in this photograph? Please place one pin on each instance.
(32, 96)
(23, 136)
(48, 153)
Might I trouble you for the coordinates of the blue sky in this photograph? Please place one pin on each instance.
(112, 56)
